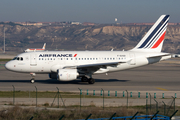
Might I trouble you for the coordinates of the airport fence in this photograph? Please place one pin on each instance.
(156, 116)
(150, 102)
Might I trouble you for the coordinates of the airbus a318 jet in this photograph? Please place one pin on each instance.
(70, 65)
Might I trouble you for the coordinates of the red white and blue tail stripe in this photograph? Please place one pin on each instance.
(153, 40)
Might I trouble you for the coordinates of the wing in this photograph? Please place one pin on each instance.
(94, 67)
(99, 65)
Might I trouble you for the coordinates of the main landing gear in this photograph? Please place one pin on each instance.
(90, 80)
(33, 77)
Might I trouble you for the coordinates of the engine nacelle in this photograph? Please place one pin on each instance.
(67, 74)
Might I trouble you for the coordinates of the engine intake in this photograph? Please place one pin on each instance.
(67, 74)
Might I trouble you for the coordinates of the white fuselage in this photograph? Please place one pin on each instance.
(50, 61)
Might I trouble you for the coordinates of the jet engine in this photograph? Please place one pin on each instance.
(67, 74)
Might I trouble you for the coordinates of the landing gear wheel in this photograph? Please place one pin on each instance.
(91, 81)
(33, 76)
(32, 81)
(84, 79)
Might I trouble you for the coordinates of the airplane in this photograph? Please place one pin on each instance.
(70, 65)
(36, 49)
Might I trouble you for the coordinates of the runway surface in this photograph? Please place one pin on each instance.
(156, 77)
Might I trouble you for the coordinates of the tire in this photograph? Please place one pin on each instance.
(84, 79)
(91, 81)
(32, 81)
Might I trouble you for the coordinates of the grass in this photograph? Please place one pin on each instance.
(70, 112)
(2, 65)
(32, 94)
(18, 113)
(46, 94)
(5, 60)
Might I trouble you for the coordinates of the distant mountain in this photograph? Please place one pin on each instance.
(100, 37)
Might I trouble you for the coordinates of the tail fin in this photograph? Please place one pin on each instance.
(153, 40)
(44, 46)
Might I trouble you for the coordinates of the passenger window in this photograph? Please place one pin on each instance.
(39, 58)
(71, 58)
(17, 58)
(51, 58)
(79, 58)
(67, 58)
(87, 58)
(84, 58)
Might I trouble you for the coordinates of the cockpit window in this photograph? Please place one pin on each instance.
(14, 58)
(18, 58)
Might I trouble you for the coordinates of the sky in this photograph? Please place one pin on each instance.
(97, 11)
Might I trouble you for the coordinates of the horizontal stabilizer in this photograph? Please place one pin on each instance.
(159, 55)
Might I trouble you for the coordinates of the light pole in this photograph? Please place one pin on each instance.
(80, 97)
(103, 97)
(36, 96)
(4, 41)
(127, 98)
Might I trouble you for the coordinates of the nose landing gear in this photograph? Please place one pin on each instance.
(32, 80)
(33, 77)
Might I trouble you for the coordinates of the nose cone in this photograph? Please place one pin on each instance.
(8, 66)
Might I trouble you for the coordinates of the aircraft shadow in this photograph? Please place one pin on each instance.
(54, 81)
